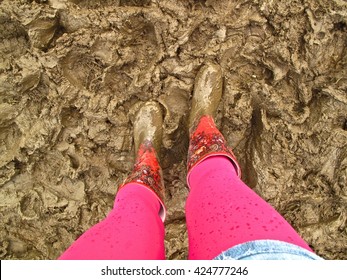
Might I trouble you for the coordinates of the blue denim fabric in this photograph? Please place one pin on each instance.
(267, 250)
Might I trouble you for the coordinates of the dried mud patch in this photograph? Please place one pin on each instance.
(73, 73)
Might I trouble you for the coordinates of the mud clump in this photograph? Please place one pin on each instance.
(73, 74)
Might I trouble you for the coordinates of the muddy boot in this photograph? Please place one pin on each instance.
(147, 137)
(205, 139)
(208, 88)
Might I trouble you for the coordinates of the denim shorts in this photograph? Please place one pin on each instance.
(267, 250)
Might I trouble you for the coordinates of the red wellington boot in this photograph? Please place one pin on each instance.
(205, 139)
(148, 135)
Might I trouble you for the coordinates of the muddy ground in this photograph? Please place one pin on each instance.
(72, 74)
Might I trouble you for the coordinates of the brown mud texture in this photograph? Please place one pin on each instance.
(74, 73)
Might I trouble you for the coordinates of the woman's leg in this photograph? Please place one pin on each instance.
(222, 212)
(132, 230)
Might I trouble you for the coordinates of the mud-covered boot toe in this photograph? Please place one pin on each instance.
(207, 93)
(148, 125)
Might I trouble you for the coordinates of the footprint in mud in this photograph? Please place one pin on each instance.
(70, 117)
(113, 66)
(30, 205)
(138, 33)
(116, 82)
(82, 70)
(201, 37)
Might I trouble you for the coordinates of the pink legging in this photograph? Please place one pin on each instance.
(221, 212)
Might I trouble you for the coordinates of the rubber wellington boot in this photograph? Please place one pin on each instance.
(205, 139)
(147, 137)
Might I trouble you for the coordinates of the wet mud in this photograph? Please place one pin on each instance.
(74, 73)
